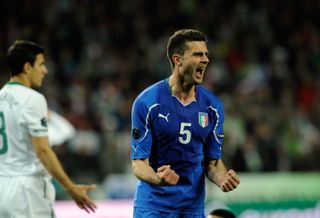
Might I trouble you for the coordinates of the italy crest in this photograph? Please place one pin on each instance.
(203, 119)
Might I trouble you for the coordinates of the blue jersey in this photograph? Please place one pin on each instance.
(168, 132)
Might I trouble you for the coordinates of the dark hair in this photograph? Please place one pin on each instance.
(177, 42)
(223, 213)
(21, 52)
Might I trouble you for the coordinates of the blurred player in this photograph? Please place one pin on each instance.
(177, 134)
(60, 129)
(221, 213)
(25, 154)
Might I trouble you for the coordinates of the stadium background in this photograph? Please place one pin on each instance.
(265, 63)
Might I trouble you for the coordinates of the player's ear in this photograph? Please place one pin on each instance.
(27, 67)
(177, 59)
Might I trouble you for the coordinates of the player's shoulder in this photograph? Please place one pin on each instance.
(209, 97)
(25, 94)
(151, 94)
(33, 94)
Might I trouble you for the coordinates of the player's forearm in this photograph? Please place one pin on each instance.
(216, 171)
(50, 161)
(52, 164)
(144, 172)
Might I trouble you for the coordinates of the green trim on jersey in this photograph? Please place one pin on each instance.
(15, 83)
(39, 130)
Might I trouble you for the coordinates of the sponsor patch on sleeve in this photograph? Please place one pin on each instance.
(44, 122)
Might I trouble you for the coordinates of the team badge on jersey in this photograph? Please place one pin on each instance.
(203, 119)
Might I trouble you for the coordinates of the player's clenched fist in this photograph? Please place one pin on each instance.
(231, 181)
(167, 176)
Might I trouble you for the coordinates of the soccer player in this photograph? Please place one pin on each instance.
(26, 158)
(177, 134)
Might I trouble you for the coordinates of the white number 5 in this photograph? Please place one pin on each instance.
(185, 134)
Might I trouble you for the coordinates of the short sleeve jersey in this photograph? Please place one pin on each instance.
(168, 132)
(23, 113)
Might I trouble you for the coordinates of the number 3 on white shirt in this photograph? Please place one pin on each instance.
(3, 135)
(185, 133)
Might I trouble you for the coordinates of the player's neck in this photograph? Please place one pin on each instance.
(184, 92)
(20, 79)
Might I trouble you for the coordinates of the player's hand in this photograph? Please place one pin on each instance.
(231, 181)
(167, 176)
(80, 196)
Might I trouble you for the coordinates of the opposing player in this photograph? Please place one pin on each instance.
(25, 155)
(177, 134)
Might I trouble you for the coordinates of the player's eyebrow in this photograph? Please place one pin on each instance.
(201, 53)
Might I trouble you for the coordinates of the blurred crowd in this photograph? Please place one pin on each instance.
(265, 64)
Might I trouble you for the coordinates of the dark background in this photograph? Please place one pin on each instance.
(265, 62)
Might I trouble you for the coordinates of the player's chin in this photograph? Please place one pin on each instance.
(198, 81)
(37, 84)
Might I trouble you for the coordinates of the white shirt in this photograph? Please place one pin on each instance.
(23, 113)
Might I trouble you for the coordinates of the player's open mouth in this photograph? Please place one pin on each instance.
(199, 72)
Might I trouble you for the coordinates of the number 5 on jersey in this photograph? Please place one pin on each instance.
(185, 133)
(4, 147)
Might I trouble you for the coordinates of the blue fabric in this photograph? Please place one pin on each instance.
(168, 132)
(148, 213)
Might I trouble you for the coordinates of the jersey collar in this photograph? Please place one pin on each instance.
(15, 83)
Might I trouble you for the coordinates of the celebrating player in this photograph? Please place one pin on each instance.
(177, 134)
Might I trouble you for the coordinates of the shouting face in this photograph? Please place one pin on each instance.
(194, 62)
